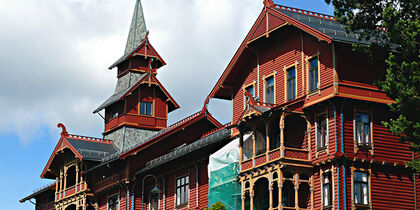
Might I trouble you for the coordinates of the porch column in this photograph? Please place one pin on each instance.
(270, 189)
(296, 182)
(254, 146)
(65, 177)
(308, 128)
(77, 174)
(282, 135)
(267, 129)
(57, 185)
(280, 185)
(243, 200)
(241, 145)
(61, 180)
(251, 196)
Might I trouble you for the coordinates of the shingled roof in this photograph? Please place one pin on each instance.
(325, 24)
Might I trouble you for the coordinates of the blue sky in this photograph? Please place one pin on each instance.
(54, 58)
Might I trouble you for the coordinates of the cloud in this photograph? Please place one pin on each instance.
(55, 54)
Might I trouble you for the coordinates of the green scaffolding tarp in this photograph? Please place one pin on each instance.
(223, 171)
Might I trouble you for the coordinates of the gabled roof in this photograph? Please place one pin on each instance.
(254, 107)
(83, 148)
(272, 18)
(166, 132)
(146, 50)
(39, 192)
(148, 78)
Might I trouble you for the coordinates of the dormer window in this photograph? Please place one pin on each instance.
(146, 108)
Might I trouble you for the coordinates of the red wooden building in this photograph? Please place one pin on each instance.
(306, 100)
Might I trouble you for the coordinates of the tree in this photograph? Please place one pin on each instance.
(217, 206)
(394, 26)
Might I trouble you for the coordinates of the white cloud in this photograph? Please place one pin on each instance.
(55, 54)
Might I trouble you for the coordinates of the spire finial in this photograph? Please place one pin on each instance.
(138, 29)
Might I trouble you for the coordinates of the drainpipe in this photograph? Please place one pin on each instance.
(132, 193)
(342, 152)
(338, 168)
(196, 184)
(164, 187)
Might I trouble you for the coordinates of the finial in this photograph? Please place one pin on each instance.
(64, 130)
(268, 3)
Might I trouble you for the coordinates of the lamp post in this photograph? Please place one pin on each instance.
(155, 189)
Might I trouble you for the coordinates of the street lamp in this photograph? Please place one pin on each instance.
(155, 189)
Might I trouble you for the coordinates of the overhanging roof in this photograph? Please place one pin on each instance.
(147, 78)
(39, 192)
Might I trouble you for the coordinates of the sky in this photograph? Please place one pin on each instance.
(55, 55)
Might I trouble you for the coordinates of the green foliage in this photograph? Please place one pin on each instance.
(217, 206)
(395, 26)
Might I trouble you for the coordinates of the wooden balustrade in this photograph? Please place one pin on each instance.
(274, 155)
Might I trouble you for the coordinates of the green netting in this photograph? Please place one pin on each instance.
(224, 188)
(223, 171)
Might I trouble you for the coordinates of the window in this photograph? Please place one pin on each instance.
(361, 189)
(146, 108)
(182, 190)
(363, 128)
(269, 90)
(313, 74)
(114, 203)
(321, 131)
(327, 189)
(291, 83)
(250, 89)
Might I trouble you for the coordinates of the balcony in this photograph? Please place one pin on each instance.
(289, 141)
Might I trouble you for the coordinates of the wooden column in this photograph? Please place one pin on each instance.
(251, 196)
(267, 134)
(65, 177)
(241, 145)
(296, 182)
(308, 128)
(280, 185)
(57, 186)
(270, 190)
(77, 174)
(254, 149)
(282, 135)
(312, 192)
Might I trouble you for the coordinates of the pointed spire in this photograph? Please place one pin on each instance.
(138, 29)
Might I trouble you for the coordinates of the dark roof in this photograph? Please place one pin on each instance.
(184, 150)
(38, 192)
(322, 23)
(91, 150)
(117, 96)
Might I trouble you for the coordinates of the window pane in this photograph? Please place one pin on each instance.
(149, 108)
(291, 83)
(313, 74)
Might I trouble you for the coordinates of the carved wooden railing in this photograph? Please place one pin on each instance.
(71, 191)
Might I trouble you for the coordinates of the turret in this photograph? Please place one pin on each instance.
(140, 104)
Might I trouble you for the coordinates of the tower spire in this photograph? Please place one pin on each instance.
(138, 29)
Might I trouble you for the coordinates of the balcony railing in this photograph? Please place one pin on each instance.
(71, 191)
(276, 154)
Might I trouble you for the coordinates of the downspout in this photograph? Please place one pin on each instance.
(342, 152)
(132, 193)
(164, 193)
(196, 185)
(338, 168)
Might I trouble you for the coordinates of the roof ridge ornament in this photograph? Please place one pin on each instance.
(64, 130)
(268, 3)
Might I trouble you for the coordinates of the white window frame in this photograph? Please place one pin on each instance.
(187, 176)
